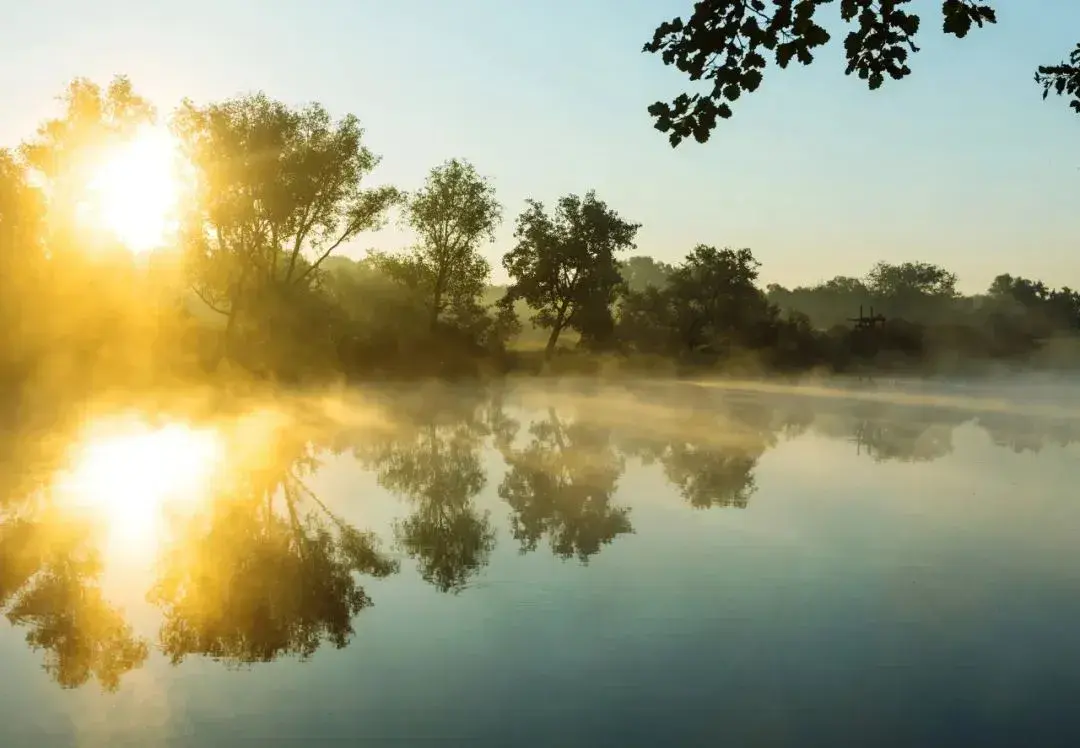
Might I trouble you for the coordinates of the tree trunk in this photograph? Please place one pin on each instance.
(437, 297)
(436, 303)
(549, 350)
(225, 349)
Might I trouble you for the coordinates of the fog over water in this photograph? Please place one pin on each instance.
(549, 563)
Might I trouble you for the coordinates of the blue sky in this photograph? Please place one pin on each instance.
(960, 164)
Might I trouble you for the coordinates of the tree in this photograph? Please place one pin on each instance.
(641, 272)
(911, 279)
(278, 190)
(710, 302)
(452, 214)
(22, 256)
(725, 42)
(564, 266)
(713, 296)
(67, 150)
(827, 304)
(1021, 290)
(1044, 310)
(80, 303)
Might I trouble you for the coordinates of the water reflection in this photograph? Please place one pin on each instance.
(247, 563)
(886, 432)
(49, 572)
(433, 461)
(128, 473)
(561, 485)
(266, 569)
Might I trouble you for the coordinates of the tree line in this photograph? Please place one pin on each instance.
(253, 278)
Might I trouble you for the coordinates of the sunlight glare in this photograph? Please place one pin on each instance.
(129, 476)
(136, 190)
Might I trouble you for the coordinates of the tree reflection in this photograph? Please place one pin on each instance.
(888, 432)
(710, 446)
(49, 574)
(1028, 433)
(433, 460)
(266, 570)
(561, 485)
(260, 569)
(709, 477)
(263, 568)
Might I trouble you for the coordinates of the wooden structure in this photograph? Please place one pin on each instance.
(863, 322)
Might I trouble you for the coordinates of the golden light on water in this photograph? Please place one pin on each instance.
(129, 474)
(135, 191)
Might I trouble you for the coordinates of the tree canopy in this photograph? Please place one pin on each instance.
(563, 265)
(278, 190)
(726, 43)
(452, 214)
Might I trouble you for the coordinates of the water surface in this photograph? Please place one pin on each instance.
(549, 565)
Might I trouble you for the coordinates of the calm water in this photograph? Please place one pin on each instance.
(621, 565)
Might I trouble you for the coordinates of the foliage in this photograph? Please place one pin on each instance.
(727, 43)
(22, 256)
(710, 303)
(562, 486)
(1062, 79)
(911, 279)
(642, 271)
(277, 191)
(452, 214)
(255, 273)
(563, 265)
(439, 471)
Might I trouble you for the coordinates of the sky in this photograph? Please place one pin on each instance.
(961, 163)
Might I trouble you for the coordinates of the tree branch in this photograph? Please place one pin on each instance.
(206, 301)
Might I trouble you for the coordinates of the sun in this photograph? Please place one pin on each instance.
(134, 193)
(128, 473)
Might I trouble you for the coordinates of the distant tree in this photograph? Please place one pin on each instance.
(714, 296)
(911, 279)
(826, 304)
(452, 214)
(843, 285)
(278, 190)
(641, 272)
(22, 256)
(1046, 309)
(709, 303)
(725, 42)
(564, 266)
(1020, 290)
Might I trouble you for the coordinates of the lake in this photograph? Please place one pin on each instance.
(549, 564)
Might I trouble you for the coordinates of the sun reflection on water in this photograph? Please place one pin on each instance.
(129, 474)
